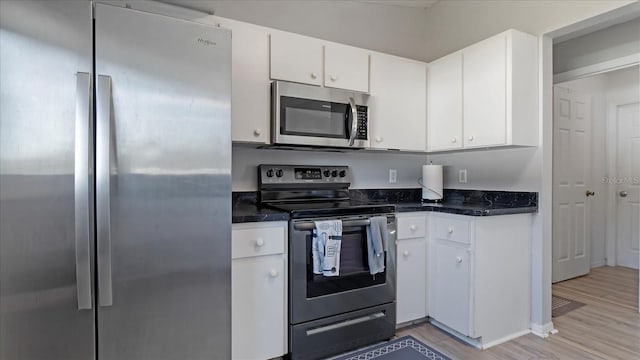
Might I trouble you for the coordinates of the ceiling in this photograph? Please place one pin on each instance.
(423, 4)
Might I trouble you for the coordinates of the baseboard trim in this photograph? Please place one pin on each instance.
(471, 341)
(598, 263)
(543, 330)
(488, 344)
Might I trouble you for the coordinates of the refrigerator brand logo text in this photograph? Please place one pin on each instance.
(206, 42)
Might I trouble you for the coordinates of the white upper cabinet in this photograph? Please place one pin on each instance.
(296, 58)
(397, 105)
(302, 59)
(346, 67)
(485, 97)
(250, 91)
(444, 103)
(485, 94)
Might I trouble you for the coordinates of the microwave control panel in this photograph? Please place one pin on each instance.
(362, 122)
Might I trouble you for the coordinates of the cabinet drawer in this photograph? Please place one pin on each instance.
(411, 226)
(257, 241)
(452, 229)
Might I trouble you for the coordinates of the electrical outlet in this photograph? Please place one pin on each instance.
(393, 176)
(462, 176)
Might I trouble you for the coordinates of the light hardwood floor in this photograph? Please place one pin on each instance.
(607, 327)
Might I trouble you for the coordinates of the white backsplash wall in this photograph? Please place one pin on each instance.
(516, 169)
(369, 170)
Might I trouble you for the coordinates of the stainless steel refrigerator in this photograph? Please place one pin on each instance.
(115, 184)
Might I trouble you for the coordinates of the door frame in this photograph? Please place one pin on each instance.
(611, 241)
(541, 249)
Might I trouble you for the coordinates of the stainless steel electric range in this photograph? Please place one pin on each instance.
(331, 314)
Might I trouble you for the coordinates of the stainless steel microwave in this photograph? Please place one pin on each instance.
(318, 116)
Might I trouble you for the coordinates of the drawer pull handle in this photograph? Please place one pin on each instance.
(274, 273)
(406, 253)
(314, 75)
(259, 242)
(257, 132)
(453, 140)
(333, 78)
(379, 139)
(459, 260)
(413, 227)
(471, 138)
(450, 230)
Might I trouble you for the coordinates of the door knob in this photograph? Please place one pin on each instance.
(623, 194)
(590, 193)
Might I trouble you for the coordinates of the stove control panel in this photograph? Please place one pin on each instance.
(297, 175)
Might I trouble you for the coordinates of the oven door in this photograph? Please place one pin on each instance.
(315, 116)
(313, 296)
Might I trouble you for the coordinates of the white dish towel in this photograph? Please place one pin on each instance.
(326, 243)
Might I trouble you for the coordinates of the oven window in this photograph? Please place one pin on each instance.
(316, 118)
(354, 267)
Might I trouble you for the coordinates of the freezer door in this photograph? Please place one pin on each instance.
(163, 187)
(46, 309)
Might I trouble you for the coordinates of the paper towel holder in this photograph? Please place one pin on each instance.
(431, 193)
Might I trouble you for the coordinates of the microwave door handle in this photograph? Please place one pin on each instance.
(354, 121)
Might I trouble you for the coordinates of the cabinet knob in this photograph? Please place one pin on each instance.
(259, 242)
(378, 139)
(459, 260)
(453, 140)
(274, 273)
(314, 75)
(450, 230)
(471, 138)
(257, 132)
(333, 78)
(405, 253)
(413, 227)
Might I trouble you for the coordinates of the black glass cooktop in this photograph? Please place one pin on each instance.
(299, 210)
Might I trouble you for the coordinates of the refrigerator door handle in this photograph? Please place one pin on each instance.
(82, 189)
(103, 182)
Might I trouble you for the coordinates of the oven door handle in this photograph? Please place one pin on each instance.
(310, 225)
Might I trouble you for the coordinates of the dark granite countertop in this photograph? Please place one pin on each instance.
(245, 209)
(461, 202)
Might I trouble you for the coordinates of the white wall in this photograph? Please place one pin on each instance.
(611, 43)
(603, 89)
(389, 29)
(370, 170)
(452, 25)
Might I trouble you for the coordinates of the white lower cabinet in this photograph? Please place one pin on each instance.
(411, 294)
(479, 284)
(259, 291)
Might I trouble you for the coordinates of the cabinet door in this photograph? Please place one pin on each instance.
(485, 98)
(411, 301)
(346, 67)
(296, 58)
(397, 105)
(451, 286)
(259, 321)
(250, 91)
(444, 104)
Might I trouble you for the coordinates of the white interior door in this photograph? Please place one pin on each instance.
(571, 173)
(628, 185)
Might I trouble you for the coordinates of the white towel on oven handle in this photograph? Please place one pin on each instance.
(326, 244)
(377, 243)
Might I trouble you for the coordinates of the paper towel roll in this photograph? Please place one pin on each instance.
(432, 182)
